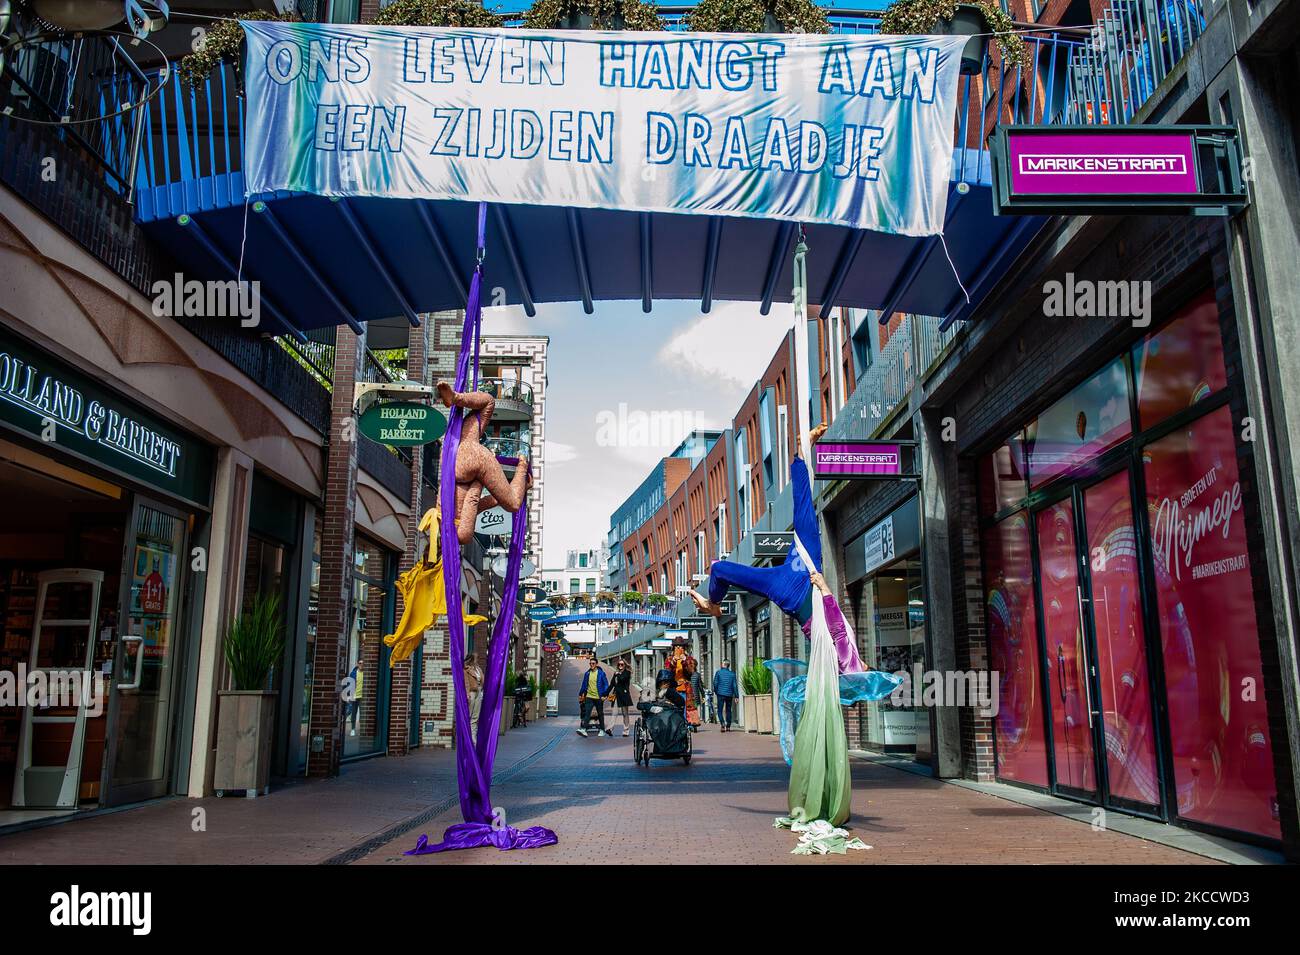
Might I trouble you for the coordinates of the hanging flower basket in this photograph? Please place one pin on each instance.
(633, 598)
(757, 16)
(222, 42)
(559, 601)
(949, 18)
(436, 13)
(593, 15)
(581, 600)
(656, 600)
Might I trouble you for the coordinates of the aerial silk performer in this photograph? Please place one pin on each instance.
(424, 596)
(820, 783)
(474, 759)
(790, 585)
(856, 682)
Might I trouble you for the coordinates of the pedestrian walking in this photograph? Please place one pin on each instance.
(697, 697)
(591, 696)
(357, 676)
(474, 690)
(725, 688)
(621, 690)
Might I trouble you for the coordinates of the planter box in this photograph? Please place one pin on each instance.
(245, 720)
(757, 711)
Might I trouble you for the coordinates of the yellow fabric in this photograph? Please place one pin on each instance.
(424, 598)
(593, 685)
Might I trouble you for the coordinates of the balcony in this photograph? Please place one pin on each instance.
(509, 448)
(913, 348)
(514, 398)
(1133, 46)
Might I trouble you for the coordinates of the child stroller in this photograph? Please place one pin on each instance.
(661, 731)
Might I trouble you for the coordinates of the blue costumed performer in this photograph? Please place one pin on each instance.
(812, 725)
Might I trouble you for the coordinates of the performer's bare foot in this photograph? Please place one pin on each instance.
(704, 604)
(446, 393)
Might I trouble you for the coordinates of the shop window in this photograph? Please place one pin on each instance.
(366, 713)
(1223, 761)
(313, 617)
(894, 641)
(1011, 622)
(1181, 364)
(1002, 477)
(1092, 418)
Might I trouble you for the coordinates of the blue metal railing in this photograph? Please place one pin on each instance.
(1133, 46)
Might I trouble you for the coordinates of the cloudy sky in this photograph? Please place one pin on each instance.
(624, 388)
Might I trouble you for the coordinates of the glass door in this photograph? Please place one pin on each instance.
(143, 685)
(1065, 637)
(1112, 595)
(1097, 678)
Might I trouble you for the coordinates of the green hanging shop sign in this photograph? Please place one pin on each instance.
(402, 423)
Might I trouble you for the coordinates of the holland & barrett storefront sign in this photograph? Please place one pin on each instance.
(50, 401)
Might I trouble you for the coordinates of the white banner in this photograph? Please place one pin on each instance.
(848, 130)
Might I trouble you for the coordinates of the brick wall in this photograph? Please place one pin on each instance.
(337, 538)
(400, 675)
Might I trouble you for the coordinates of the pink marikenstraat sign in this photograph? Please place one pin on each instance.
(831, 459)
(1104, 162)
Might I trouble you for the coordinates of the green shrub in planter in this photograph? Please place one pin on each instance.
(593, 15)
(919, 17)
(757, 16)
(756, 679)
(221, 44)
(254, 643)
(436, 13)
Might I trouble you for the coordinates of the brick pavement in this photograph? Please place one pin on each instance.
(603, 807)
(720, 809)
(302, 822)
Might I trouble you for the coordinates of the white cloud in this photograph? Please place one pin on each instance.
(732, 344)
(557, 452)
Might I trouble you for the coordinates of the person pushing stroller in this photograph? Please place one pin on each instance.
(661, 732)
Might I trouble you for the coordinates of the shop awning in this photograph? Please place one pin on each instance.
(324, 262)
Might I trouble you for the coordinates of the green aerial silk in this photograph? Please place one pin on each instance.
(820, 783)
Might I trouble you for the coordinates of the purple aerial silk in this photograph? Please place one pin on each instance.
(474, 761)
